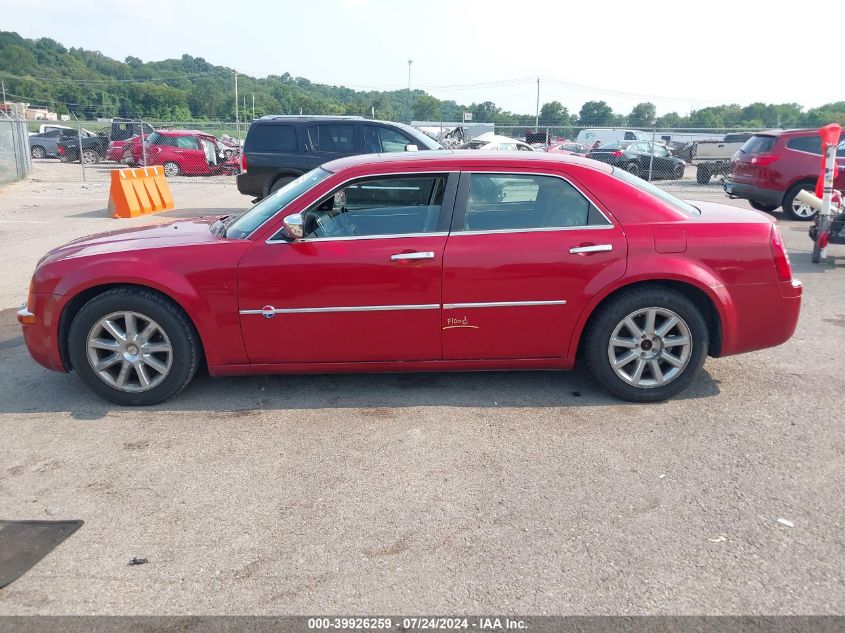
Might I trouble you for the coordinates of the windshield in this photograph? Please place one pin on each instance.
(424, 141)
(676, 203)
(245, 224)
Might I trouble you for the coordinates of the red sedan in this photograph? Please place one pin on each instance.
(421, 262)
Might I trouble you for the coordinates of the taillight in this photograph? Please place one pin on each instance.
(243, 163)
(61, 150)
(617, 153)
(762, 160)
(780, 255)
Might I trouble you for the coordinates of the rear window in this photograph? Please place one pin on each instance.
(676, 203)
(811, 144)
(271, 138)
(758, 144)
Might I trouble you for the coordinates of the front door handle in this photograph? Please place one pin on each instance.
(423, 255)
(591, 248)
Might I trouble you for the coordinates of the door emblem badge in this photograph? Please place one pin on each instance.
(453, 323)
(268, 312)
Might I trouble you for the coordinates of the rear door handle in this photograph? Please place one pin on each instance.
(592, 248)
(423, 255)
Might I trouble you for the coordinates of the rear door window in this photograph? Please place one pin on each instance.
(272, 138)
(187, 142)
(758, 144)
(810, 144)
(332, 138)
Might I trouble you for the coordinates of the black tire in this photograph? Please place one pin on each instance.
(38, 152)
(279, 183)
(766, 208)
(601, 328)
(633, 169)
(702, 175)
(186, 348)
(679, 172)
(789, 199)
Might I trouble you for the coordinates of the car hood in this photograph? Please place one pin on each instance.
(178, 233)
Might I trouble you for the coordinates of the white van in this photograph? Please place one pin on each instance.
(605, 135)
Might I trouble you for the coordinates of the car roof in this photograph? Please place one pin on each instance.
(793, 131)
(183, 132)
(454, 159)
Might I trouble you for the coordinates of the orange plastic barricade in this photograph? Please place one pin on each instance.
(137, 192)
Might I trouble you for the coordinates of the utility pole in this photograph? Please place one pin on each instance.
(3, 83)
(537, 112)
(237, 115)
(253, 105)
(410, 107)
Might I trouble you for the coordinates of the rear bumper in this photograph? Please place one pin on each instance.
(762, 315)
(40, 324)
(250, 185)
(752, 192)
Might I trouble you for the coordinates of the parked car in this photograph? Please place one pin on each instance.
(46, 144)
(91, 150)
(713, 158)
(120, 150)
(124, 129)
(772, 167)
(180, 152)
(641, 159)
(496, 142)
(421, 261)
(280, 148)
(568, 147)
(604, 135)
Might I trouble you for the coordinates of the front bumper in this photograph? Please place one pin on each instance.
(40, 323)
(746, 191)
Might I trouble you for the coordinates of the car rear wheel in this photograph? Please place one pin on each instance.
(133, 347)
(797, 210)
(633, 168)
(38, 152)
(647, 344)
(281, 182)
(767, 208)
(171, 169)
(90, 157)
(679, 172)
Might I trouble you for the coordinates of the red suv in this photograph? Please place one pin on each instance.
(186, 152)
(772, 167)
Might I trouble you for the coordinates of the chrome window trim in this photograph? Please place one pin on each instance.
(503, 304)
(357, 237)
(270, 240)
(544, 230)
(412, 306)
(609, 225)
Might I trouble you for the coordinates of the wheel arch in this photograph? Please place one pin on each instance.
(708, 305)
(72, 307)
(804, 180)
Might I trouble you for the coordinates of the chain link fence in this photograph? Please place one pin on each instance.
(15, 162)
(677, 159)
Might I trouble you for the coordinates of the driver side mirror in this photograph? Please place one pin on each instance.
(293, 226)
(410, 147)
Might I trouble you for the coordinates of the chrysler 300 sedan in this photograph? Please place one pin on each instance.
(429, 261)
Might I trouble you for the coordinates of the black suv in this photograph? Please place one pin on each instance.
(279, 148)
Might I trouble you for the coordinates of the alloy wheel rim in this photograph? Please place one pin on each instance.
(170, 169)
(650, 347)
(129, 351)
(802, 210)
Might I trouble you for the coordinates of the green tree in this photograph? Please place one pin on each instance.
(554, 113)
(643, 115)
(426, 108)
(595, 113)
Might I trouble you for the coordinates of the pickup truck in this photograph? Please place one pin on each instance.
(93, 149)
(713, 158)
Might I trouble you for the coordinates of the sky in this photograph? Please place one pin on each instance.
(680, 55)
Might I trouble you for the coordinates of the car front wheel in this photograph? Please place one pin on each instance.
(647, 344)
(38, 152)
(798, 210)
(133, 347)
(171, 169)
(633, 168)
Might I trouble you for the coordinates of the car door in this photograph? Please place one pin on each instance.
(189, 155)
(664, 165)
(380, 139)
(525, 254)
(364, 282)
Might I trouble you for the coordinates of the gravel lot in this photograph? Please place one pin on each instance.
(525, 493)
